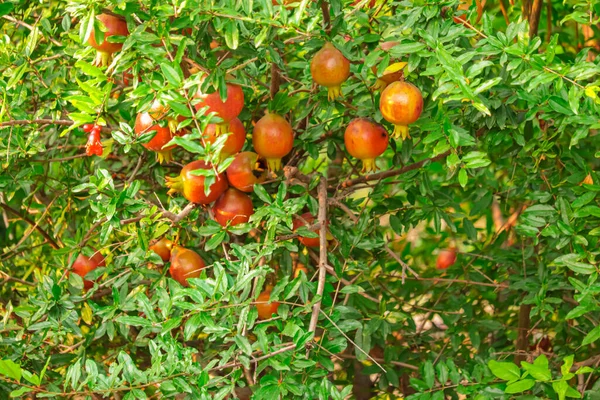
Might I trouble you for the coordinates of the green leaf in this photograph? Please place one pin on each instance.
(134, 321)
(463, 178)
(262, 194)
(6, 8)
(11, 369)
(519, 386)
(592, 336)
(560, 105)
(171, 75)
(504, 370)
(429, 374)
(215, 241)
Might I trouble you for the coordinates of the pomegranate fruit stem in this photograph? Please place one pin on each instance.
(369, 165)
(274, 164)
(334, 92)
(401, 132)
(175, 185)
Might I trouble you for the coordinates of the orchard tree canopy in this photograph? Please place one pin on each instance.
(311, 199)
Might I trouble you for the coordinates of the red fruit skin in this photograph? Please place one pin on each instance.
(192, 186)
(365, 139)
(87, 128)
(227, 110)
(265, 311)
(185, 263)
(401, 103)
(114, 27)
(163, 249)
(233, 208)
(273, 137)
(144, 123)
(308, 242)
(93, 145)
(84, 265)
(445, 259)
(235, 140)
(371, 3)
(241, 172)
(329, 67)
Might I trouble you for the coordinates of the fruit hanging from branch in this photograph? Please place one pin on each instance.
(273, 139)
(366, 140)
(185, 264)
(94, 145)
(392, 73)
(233, 208)
(154, 120)
(84, 265)
(191, 184)
(163, 248)
(307, 219)
(330, 68)
(264, 306)
(114, 26)
(401, 103)
(245, 171)
(446, 258)
(225, 109)
(235, 139)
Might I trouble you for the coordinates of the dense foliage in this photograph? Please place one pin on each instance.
(496, 186)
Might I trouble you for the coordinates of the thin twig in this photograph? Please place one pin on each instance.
(322, 192)
(46, 236)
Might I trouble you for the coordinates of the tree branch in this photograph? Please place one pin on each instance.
(38, 228)
(326, 16)
(534, 17)
(322, 252)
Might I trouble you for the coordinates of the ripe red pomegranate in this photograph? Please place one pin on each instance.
(84, 265)
(310, 220)
(94, 145)
(264, 308)
(365, 140)
(330, 68)
(163, 248)
(273, 139)
(149, 121)
(192, 186)
(371, 3)
(115, 26)
(235, 139)
(245, 171)
(226, 110)
(185, 263)
(233, 208)
(446, 258)
(401, 103)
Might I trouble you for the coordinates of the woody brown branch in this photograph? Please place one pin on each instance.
(322, 216)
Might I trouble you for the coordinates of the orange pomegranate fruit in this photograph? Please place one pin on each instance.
(366, 140)
(401, 103)
(84, 265)
(235, 139)
(185, 263)
(306, 219)
(446, 258)
(150, 121)
(233, 208)
(298, 269)
(163, 248)
(226, 110)
(245, 171)
(273, 139)
(330, 68)
(114, 26)
(264, 306)
(191, 186)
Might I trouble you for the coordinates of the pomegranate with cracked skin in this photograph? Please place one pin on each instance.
(185, 264)
(114, 26)
(401, 103)
(245, 171)
(233, 208)
(235, 139)
(84, 265)
(191, 186)
(330, 68)
(366, 140)
(163, 248)
(446, 258)
(150, 121)
(225, 109)
(264, 306)
(273, 139)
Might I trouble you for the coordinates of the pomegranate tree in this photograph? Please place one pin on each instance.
(113, 26)
(235, 139)
(83, 265)
(154, 120)
(366, 140)
(245, 171)
(233, 208)
(401, 103)
(225, 109)
(265, 307)
(330, 68)
(191, 184)
(185, 264)
(446, 258)
(273, 139)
